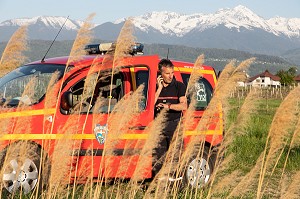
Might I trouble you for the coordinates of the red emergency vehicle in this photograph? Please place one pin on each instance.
(31, 119)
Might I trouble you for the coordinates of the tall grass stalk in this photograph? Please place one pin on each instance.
(227, 82)
(84, 37)
(153, 131)
(115, 58)
(292, 144)
(77, 51)
(248, 181)
(123, 45)
(248, 108)
(293, 190)
(122, 117)
(186, 124)
(13, 56)
(64, 159)
(283, 122)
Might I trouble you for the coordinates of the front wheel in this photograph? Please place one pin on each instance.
(199, 169)
(23, 170)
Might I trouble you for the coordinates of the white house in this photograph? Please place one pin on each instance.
(263, 80)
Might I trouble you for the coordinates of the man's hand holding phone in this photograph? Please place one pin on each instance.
(160, 81)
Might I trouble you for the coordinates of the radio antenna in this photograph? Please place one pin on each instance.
(168, 54)
(43, 60)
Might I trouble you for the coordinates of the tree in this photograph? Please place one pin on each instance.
(287, 77)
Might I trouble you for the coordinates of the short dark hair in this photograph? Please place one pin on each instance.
(165, 63)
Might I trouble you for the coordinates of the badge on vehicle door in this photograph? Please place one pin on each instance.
(100, 133)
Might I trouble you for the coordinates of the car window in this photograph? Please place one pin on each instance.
(201, 91)
(103, 88)
(142, 77)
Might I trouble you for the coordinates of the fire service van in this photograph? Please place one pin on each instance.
(42, 122)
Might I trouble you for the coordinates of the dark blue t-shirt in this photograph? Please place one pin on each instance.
(171, 94)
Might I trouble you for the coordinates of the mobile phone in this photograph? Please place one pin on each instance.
(160, 79)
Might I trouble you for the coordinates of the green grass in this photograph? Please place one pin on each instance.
(250, 144)
(247, 146)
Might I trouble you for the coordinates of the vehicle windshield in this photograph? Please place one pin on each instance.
(35, 77)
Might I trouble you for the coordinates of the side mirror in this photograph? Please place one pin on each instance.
(66, 102)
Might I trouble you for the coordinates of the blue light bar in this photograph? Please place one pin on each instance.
(103, 48)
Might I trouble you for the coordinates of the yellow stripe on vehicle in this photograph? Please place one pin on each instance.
(134, 136)
(90, 136)
(27, 113)
(46, 137)
(133, 78)
(65, 136)
(209, 132)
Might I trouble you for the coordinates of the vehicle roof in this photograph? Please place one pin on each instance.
(64, 60)
(89, 59)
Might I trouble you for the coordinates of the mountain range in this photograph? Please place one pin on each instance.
(238, 28)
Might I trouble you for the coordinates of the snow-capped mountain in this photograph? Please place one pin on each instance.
(239, 17)
(288, 27)
(50, 22)
(237, 28)
(41, 27)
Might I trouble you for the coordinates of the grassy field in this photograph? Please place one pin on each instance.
(258, 158)
(253, 167)
(240, 158)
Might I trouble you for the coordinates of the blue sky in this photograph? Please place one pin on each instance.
(110, 10)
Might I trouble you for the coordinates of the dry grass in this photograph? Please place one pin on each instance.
(248, 181)
(284, 132)
(248, 108)
(283, 123)
(124, 43)
(13, 56)
(153, 130)
(292, 190)
(263, 172)
(121, 50)
(233, 180)
(62, 165)
(84, 37)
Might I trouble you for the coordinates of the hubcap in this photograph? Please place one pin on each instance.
(23, 178)
(198, 172)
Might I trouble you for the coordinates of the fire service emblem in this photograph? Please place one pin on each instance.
(100, 133)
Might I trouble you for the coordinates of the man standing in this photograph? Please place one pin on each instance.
(170, 95)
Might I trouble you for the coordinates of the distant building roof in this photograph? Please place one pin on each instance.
(297, 78)
(265, 74)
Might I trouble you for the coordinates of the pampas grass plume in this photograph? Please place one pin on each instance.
(13, 56)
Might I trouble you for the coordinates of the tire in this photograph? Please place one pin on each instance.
(21, 170)
(199, 169)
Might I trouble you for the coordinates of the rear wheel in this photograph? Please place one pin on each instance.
(199, 169)
(23, 170)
